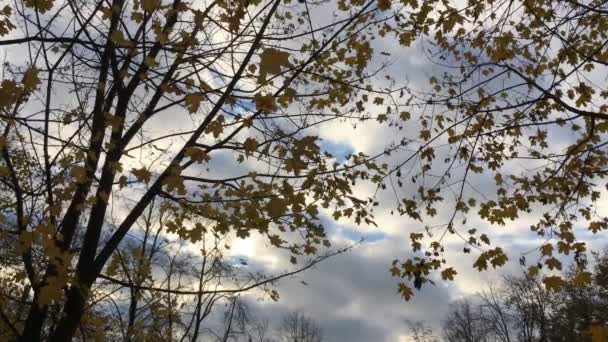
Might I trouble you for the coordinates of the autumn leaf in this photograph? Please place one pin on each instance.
(119, 39)
(150, 5)
(41, 6)
(193, 102)
(142, 175)
(250, 145)
(554, 283)
(405, 292)
(384, 5)
(196, 154)
(216, 127)
(271, 62)
(175, 183)
(265, 103)
(583, 278)
(276, 207)
(448, 274)
(30, 79)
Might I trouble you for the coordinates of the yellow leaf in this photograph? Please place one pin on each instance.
(547, 249)
(583, 278)
(405, 292)
(196, 154)
(41, 5)
(448, 274)
(271, 61)
(30, 79)
(384, 5)
(119, 39)
(405, 116)
(533, 271)
(149, 61)
(276, 207)
(265, 103)
(250, 145)
(175, 183)
(122, 181)
(193, 102)
(142, 175)
(150, 5)
(553, 282)
(216, 127)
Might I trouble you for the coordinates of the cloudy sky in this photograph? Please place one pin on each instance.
(353, 296)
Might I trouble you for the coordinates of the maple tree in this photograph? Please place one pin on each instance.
(516, 97)
(108, 107)
(214, 107)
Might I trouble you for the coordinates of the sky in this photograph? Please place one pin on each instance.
(352, 296)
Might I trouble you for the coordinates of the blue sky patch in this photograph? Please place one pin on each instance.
(338, 150)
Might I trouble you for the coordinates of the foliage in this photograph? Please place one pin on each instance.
(522, 309)
(107, 107)
(516, 98)
(214, 107)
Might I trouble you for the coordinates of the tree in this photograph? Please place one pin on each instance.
(108, 106)
(530, 303)
(496, 314)
(464, 323)
(420, 332)
(296, 326)
(89, 90)
(520, 308)
(515, 98)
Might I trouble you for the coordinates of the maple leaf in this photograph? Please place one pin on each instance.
(142, 175)
(196, 154)
(271, 61)
(250, 145)
(553, 263)
(547, 249)
(216, 127)
(276, 207)
(295, 165)
(553, 283)
(122, 182)
(119, 39)
(30, 79)
(150, 5)
(175, 183)
(448, 274)
(41, 6)
(405, 292)
(583, 278)
(265, 103)
(193, 102)
(533, 271)
(384, 5)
